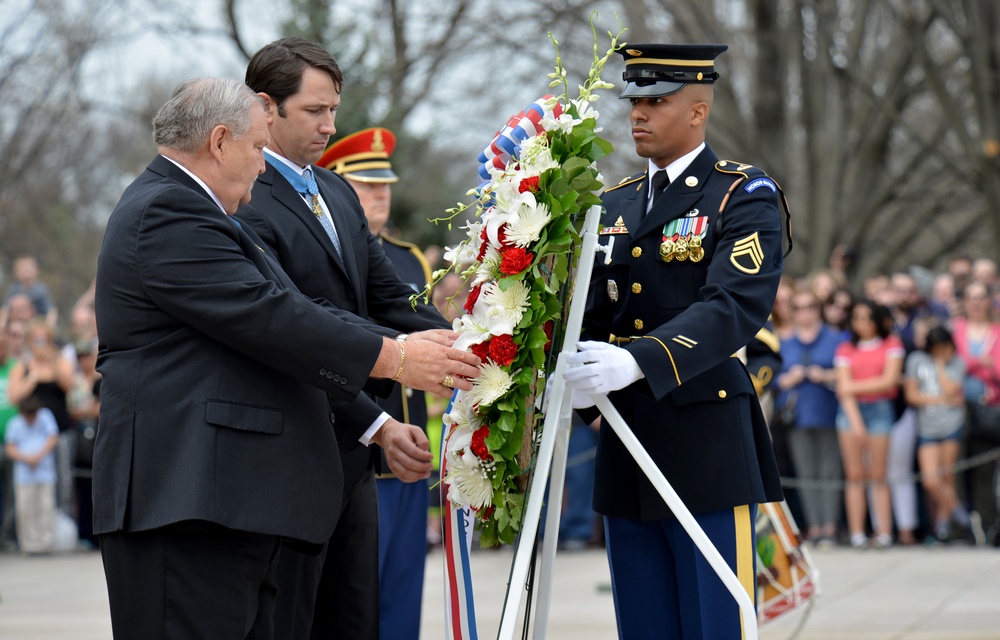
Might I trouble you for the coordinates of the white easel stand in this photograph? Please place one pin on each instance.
(551, 456)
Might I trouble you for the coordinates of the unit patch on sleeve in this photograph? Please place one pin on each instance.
(761, 182)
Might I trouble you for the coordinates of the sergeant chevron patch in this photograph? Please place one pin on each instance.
(747, 255)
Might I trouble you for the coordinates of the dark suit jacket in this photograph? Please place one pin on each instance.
(216, 372)
(696, 410)
(362, 282)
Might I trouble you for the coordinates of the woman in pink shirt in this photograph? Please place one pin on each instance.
(977, 339)
(868, 371)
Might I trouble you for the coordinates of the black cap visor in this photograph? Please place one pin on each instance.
(650, 89)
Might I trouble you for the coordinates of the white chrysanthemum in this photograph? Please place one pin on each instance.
(491, 385)
(489, 268)
(468, 479)
(508, 305)
(526, 225)
(468, 486)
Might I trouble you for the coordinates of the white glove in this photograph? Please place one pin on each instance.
(580, 400)
(600, 368)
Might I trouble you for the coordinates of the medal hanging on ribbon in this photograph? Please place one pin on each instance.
(683, 239)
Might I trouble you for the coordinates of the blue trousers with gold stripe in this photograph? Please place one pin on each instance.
(664, 588)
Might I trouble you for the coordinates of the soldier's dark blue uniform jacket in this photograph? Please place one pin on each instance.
(689, 284)
(405, 404)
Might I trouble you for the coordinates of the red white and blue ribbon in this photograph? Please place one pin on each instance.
(460, 604)
(506, 144)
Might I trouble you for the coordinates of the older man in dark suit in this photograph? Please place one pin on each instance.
(313, 221)
(216, 440)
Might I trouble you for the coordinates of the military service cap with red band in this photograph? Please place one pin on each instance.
(362, 156)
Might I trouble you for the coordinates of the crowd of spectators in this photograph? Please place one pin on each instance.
(49, 407)
(883, 390)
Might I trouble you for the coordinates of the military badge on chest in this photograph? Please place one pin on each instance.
(683, 239)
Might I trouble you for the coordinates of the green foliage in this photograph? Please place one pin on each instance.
(562, 160)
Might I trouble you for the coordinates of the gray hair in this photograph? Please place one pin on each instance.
(198, 106)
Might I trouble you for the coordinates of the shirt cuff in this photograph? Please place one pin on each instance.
(366, 438)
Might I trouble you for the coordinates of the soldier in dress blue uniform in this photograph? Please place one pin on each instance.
(363, 158)
(695, 263)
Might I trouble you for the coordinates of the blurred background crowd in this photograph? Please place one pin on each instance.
(49, 405)
(885, 414)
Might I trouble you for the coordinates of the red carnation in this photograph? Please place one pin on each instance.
(470, 302)
(487, 512)
(515, 260)
(528, 184)
(502, 235)
(503, 350)
(481, 350)
(482, 251)
(478, 445)
(547, 328)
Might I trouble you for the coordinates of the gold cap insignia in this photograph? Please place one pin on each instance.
(747, 255)
(377, 143)
(633, 52)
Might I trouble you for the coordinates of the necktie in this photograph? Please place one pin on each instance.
(658, 183)
(312, 193)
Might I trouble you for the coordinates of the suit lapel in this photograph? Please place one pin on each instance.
(285, 194)
(681, 196)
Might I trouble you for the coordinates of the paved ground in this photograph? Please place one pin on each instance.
(941, 593)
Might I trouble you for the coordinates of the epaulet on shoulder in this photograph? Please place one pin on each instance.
(627, 181)
(738, 168)
(767, 337)
(415, 250)
(400, 243)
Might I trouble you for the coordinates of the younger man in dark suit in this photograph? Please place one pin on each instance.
(216, 440)
(363, 159)
(313, 221)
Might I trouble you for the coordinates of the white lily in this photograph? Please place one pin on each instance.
(489, 268)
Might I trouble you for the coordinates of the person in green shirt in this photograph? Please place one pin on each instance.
(12, 339)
